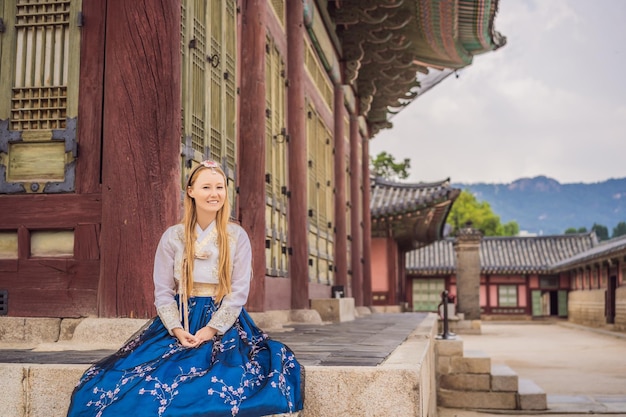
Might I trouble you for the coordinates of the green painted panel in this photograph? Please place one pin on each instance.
(562, 303)
(536, 303)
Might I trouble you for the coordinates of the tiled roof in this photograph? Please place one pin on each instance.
(603, 249)
(392, 198)
(507, 255)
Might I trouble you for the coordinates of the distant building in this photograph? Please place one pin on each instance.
(570, 275)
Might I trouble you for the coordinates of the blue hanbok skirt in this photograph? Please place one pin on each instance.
(241, 373)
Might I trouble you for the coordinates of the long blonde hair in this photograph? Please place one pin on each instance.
(221, 226)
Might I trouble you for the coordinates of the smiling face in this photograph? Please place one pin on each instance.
(208, 191)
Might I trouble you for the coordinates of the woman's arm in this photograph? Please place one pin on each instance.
(232, 304)
(164, 282)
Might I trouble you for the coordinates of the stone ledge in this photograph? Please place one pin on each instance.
(403, 385)
(531, 396)
(473, 362)
(334, 309)
(477, 399)
(503, 378)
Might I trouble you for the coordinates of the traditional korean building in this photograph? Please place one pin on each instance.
(597, 277)
(570, 275)
(404, 217)
(105, 106)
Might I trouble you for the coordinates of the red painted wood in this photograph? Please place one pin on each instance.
(87, 241)
(252, 142)
(51, 288)
(355, 226)
(90, 97)
(341, 234)
(141, 148)
(367, 226)
(52, 211)
(298, 262)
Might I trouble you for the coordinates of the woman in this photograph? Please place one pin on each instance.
(203, 355)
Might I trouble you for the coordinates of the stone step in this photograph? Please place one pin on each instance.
(500, 379)
(531, 396)
(503, 378)
(477, 399)
(472, 362)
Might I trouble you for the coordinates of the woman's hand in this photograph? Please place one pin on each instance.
(185, 338)
(205, 334)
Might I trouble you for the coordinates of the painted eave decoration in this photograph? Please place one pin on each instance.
(386, 43)
(413, 214)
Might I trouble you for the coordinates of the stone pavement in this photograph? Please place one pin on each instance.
(582, 370)
(366, 341)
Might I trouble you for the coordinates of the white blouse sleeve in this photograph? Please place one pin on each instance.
(164, 282)
(232, 304)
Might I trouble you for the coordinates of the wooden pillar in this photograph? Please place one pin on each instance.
(341, 233)
(90, 93)
(298, 220)
(140, 149)
(467, 248)
(367, 226)
(355, 225)
(252, 142)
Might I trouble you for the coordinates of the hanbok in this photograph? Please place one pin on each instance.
(240, 372)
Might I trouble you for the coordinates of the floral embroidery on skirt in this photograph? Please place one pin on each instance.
(241, 373)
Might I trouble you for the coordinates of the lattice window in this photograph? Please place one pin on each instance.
(320, 198)
(209, 64)
(279, 8)
(427, 293)
(318, 75)
(507, 295)
(40, 49)
(275, 163)
(39, 98)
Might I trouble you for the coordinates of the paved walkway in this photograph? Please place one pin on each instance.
(366, 341)
(582, 370)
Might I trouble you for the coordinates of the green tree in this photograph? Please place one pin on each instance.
(602, 232)
(619, 230)
(571, 231)
(467, 208)
(385, 165)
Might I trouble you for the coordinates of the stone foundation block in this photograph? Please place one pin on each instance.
(29, 330)
(465, 382)
(503, 378)
(451, 347)
(334, 309)
(473, 362)
(13, 399)
(477, 399)
(443, 365)
(531, 396)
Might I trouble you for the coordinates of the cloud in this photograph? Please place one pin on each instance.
(551, 102)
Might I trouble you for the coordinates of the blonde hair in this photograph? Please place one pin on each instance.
(221, 226)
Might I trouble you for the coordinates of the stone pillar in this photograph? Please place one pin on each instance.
(467, 246)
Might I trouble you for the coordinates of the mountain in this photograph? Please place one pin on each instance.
(542, 205)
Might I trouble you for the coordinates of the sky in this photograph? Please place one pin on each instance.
(551, 102)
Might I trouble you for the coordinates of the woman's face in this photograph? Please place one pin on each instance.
(208, 191)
